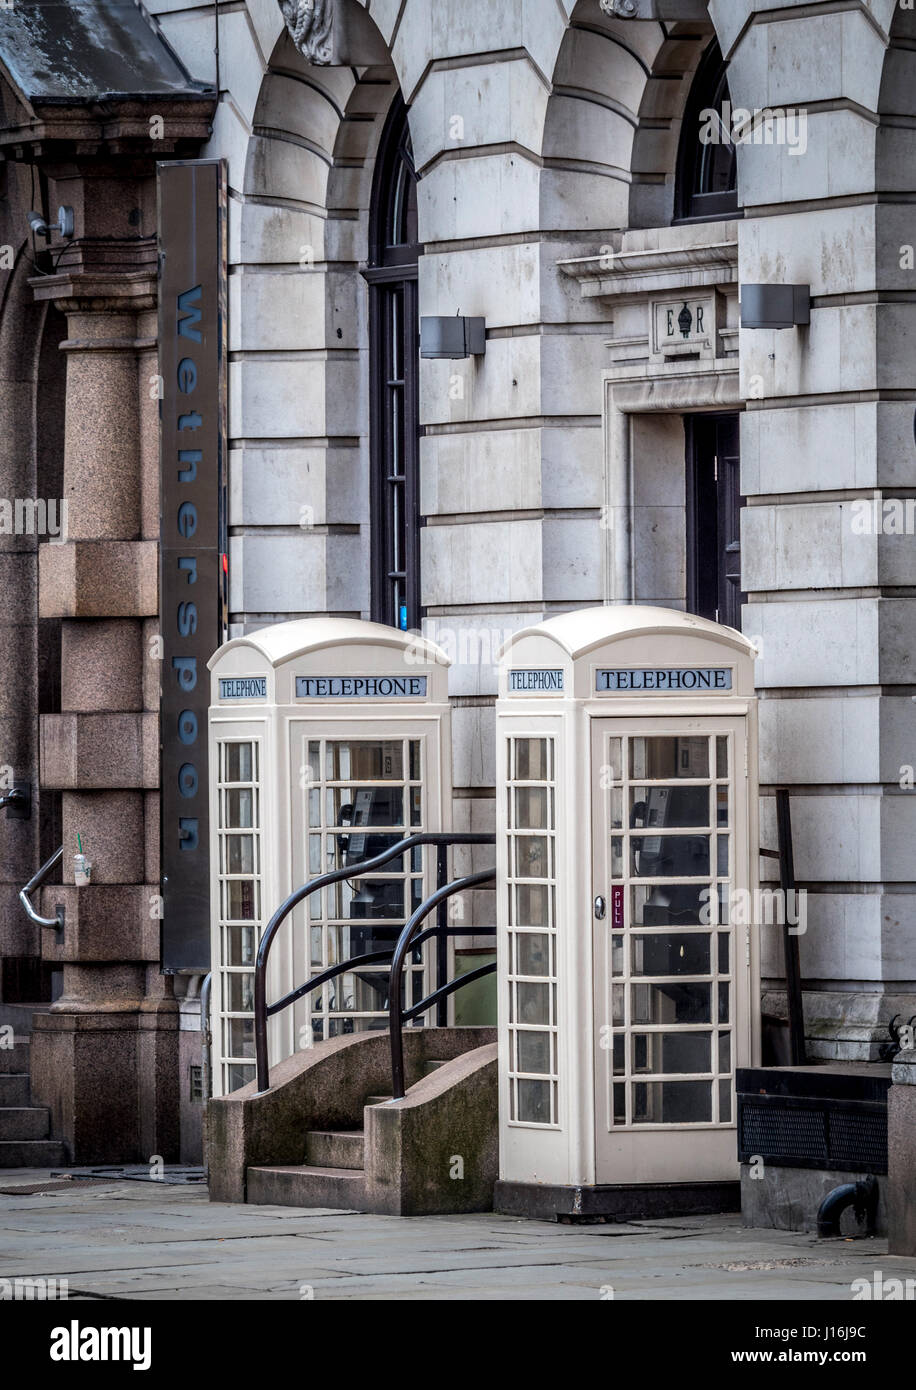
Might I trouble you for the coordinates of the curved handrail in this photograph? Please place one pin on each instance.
(396, 1015)
(33, 883)
(263, 1010)
(459, 982)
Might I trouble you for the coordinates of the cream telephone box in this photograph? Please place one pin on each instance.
(329, 742)
(626, 831)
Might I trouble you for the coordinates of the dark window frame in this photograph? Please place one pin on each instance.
(693, 203)
(394, 358)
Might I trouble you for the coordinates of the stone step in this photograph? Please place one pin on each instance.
(342, 1189)
(32, 1153)
(14, 1088)
(328, 1148)
(429, 1067)
(24, 1122)
(15, 1058)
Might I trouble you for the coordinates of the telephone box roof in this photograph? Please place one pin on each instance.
(283, 641)
(585, 629)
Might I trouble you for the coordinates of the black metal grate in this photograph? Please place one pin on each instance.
(858, 1140)
(791, 1132)
(772, 1131)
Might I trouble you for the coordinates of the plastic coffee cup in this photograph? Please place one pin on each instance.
(82, 870)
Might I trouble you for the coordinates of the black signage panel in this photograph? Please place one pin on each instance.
(192, 531)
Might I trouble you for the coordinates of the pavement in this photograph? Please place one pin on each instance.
(153, 1240)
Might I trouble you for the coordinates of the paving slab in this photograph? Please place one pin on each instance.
(150, 1241)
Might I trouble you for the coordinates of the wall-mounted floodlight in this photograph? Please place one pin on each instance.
(775, 306)
(454, 337)
(64, 224)
(673, 10)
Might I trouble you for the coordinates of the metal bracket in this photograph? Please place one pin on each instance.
(18, 801)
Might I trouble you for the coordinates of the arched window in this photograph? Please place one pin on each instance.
(394, 348)
(707, 171)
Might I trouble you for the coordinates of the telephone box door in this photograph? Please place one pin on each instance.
(356, 793)
(672, 956)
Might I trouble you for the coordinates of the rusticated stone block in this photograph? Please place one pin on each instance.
(112, 829)
(98, 579)
(102, 922)
(99, 750)
(101, 665)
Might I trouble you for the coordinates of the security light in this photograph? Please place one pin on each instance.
(671, 10)
(64, 224)
(775, 306)
(455, 337)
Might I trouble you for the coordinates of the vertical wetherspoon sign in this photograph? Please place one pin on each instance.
(192, 361)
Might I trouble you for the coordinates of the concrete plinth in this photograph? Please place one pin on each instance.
(633, 1202)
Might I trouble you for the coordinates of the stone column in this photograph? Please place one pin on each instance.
(105, 1058)
(901, 1156)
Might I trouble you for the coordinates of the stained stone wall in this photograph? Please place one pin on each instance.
(545, 136)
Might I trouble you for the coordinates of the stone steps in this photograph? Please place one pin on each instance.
(24, 1122)
(24, 1128)
(32, 1153)
(428, 1068)
(326, 1148)
(333, 1174)
(14, 1088)
(305, 1185)
(15, 1058)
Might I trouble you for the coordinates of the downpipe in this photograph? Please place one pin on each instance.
(862, 1196)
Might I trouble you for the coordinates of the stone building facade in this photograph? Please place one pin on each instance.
(540, 164)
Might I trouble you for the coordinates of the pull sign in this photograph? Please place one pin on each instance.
(617, 906)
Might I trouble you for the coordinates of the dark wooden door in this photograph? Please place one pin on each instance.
(714, 505)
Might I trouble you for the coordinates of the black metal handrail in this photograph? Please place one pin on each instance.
(263, 1010)
(397, 1016)
(794, 998)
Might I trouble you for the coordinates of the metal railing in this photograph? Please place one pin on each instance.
(786, 857)
(409, 940)
(263, 1011)
(35, 882)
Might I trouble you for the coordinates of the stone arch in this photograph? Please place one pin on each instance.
(613, 120)
(895, 152)
(299, 337)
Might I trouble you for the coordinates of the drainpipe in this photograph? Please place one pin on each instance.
(862, 1196)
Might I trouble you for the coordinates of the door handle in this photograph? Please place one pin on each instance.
(600, 908)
